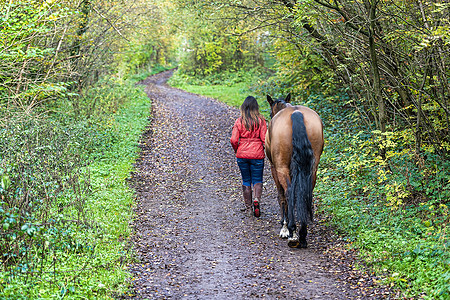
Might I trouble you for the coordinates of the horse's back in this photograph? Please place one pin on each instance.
(279, 137)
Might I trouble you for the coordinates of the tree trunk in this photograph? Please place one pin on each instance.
(372, 6)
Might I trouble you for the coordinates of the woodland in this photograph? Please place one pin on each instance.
(377, 71)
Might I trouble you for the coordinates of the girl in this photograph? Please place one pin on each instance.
(247, 139)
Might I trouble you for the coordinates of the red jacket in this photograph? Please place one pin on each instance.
(248, 144)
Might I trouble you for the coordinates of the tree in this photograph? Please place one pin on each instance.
(52, 50)
(213, 42)
(392, 56)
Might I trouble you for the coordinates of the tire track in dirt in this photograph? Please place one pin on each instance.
(191, 237)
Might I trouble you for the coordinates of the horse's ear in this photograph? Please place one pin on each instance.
(269, 99)
(288, 98)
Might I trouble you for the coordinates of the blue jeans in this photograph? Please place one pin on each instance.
(251, 170)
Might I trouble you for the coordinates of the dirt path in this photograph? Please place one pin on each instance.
(192, 239)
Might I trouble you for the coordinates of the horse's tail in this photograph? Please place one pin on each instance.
(301, 169)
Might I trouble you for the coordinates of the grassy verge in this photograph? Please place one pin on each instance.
(112, 200)
(232, 95)
(72, 243)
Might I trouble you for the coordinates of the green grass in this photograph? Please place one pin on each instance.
(398, 246)
(232, 95)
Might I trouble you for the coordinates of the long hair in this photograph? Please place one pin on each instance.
(250, 113)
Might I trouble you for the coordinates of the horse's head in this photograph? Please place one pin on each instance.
(278, 104)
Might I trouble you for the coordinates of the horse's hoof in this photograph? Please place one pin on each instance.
(302, 244)
(256, 211)
(297, 244)
(293, 243)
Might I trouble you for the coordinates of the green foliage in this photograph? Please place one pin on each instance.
(408, 53)
(144, 74)
(393, 209)
(23, 26)
(137, 58)
(65, 204)
(153, 47)
(67, 142)
(227, 77)
(210, 53)
(298, 71)
(214, 47)
(52, 50)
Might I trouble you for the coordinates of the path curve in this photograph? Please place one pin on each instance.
(192, 239)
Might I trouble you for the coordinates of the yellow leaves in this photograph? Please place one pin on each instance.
(382, 175)
(444, 209)
(338, 20)
(396, 277)
(395, 194)
(48, 3)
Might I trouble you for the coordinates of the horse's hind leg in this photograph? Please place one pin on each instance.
(284, 232)
(293, 240)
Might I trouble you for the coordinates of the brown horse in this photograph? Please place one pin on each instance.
(294, 143)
